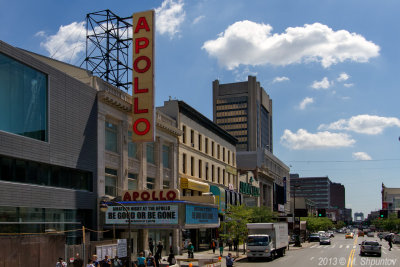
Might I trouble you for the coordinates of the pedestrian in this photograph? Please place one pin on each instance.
(77, 262)
(141, 260)
(213, 245)
(90, 263)
(235, 244)
(116, 262)
(390, 242)
(61, 263)
(106, 262)
(230, 244)
(190, 250)
(171, 259)
(157, 259)
(221, 247)
(159, 248)
(229, 260)
(150, 260)
(95, 260)
(151, 246)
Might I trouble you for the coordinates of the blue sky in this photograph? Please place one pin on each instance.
(330, 67)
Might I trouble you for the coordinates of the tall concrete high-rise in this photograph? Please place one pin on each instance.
(244, 110)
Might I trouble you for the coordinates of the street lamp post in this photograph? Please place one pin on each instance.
(104, 208)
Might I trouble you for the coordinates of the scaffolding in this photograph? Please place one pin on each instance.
(108, 39)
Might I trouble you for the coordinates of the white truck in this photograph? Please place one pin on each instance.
(267, 240)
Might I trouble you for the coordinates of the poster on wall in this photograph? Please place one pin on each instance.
(201, 215)
(143, 214)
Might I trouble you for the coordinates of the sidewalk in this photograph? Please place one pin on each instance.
(206, 255)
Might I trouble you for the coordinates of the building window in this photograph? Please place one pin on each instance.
(200, 142)
(218, 175)
(212, 149)
(207, 171)
(223, 177)
(184, 163)
(229, 157)
(206, 145)
(184, 134)
(200, 169)
(23, 99)
(132, 147)
(132, 181)
(150, 153)
(166, 184)
(233, 159)
(218, 152)
(192, 138)
(165, 155)
(192, 166)
(212, 173)
(151, 183)
(223, 154)
(111, 182)
(111, 137)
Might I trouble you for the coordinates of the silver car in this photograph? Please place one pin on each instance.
(370, 247)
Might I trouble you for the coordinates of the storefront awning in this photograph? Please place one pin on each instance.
(194, 185)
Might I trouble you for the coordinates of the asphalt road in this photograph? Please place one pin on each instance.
(341, 252)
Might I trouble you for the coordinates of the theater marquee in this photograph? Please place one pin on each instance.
(143, 113)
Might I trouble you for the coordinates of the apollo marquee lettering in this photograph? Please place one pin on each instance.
(143, 77)
(151, 195)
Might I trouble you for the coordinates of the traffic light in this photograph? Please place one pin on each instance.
(321, 212)
(383, 214)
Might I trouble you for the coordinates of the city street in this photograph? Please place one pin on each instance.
(341, 252)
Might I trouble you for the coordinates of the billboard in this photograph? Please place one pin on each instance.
(143, 113)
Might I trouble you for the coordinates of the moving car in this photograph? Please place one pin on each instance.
(349, 235)
(370, 247)
(360, 233)
(324, 240)
(370, 234)
(314, 237)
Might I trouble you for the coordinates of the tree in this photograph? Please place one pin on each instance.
(315, 224)
(340, 224)
(262, 215)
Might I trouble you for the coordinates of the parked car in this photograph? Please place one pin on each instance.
(324, 240)
(314, 237)
(370, 247)
(331, 234)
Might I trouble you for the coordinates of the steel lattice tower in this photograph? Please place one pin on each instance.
(109, 38)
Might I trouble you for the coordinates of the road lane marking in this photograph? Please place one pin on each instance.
(348, 246)
(351, 257)
(311, 258)
(354, 246)
(334, 246)
(340, 246)
(313, 246)
(385, 252)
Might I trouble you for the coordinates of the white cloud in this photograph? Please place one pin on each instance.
(343, 77)
(361, 156)
(280, 79)
(306, 101)
(249, 43)
(348, 85)
(242, 75)
(305, 140)
(324, 84)
(364, 124)
(196, 20)
(169, 16)
(67, 43)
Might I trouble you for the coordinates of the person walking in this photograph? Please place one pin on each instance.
(106, 262)
(159, 248)
(171, 259)
(116, 262)
(151, 245)
(229, 260)
(190, 251)
(235, 244)
(390, 241)
(221, 247)
(213, 245)
(61, 263)
(78, 262)
(150, 260)
(90, 263)
(141, 260)
(230, 243)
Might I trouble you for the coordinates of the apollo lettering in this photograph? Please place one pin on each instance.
(150, 195)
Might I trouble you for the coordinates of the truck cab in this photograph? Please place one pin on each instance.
(259, 246)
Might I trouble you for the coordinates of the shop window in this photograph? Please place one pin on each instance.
(150, 153)
(23, 99)
(151, 183)
(165, 155)
(111, 182)
(132, 147)
(132, 181)
(111, 137)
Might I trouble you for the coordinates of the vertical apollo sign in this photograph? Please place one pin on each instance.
(143, 77)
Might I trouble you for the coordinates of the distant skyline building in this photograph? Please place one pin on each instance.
(244, 110)
(338, 196)
(390, 198)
